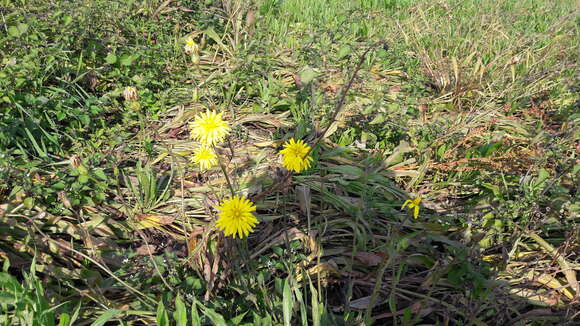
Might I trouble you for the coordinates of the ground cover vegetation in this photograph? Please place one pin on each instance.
(289, 162)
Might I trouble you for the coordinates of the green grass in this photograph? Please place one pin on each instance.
(469, 104)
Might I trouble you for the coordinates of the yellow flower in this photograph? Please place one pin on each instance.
(205, 157)
(236, 217)
(295, 155)
(190, 46)
(414, 205)
(209, 128)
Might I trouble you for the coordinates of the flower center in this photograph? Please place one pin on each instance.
(211, 125)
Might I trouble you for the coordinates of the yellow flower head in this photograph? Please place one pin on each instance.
(209, 128)
(295, 155)
(414, 205)
(236, 217)
(205, 157)
(190, 46)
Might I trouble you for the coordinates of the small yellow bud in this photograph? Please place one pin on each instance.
(191, 47)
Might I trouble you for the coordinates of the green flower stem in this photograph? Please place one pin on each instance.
(224, 172)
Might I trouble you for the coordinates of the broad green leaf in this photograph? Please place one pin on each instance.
(180, 314)
(379, 118)
(13, 31)
(65, 320)
(343, 51)
(216, 318)
(127, 59)
(162, 316)
(307, 75)
(111, 59)
(22, 28)
(99, 173)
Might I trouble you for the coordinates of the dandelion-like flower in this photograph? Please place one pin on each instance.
(205, 157)
(209, 128)
(190, 46)
(295, 155)
(236, 217)
(414, 205)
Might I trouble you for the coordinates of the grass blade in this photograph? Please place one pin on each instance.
(106, 316)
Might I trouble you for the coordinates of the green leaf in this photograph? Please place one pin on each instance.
(238, 319)
(83, 179)
(195, 314)
(343, 51)
(348, 170)
(9, 282)
(6, 298)
(316, 309)
(13, 31)
(456, 274)
(215, 37)
(495, 189)
(127, 60)
(287, 302)
(75, 314)
(216, 319)
(543, 175)
(99, 173)
(64, 320)
(28, 202)
(22, 28)
(180, 314)
(111, 59)
(441, 151)
(307, 75)
(162, 316)
(379, 118)
(106, 316)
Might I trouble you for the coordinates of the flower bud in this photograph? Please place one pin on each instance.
(130, 94)
(191, 47)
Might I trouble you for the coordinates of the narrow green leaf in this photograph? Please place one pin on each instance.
(7, 298)
(303, 312)
(106, 316)
(39, 150)
(316, 313)
(75, 314)
(287, 302)
(194, 313)
(237, 320)
(210, 32)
